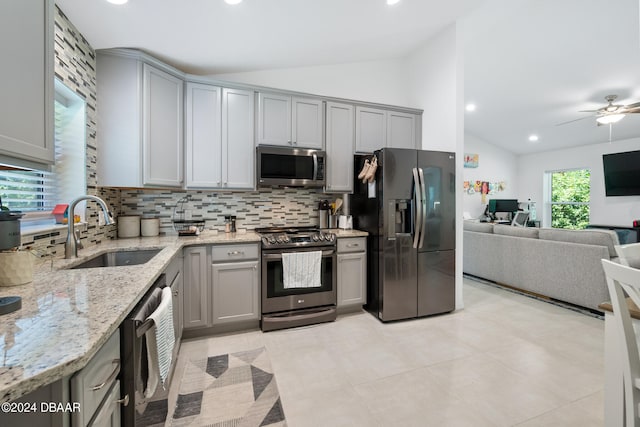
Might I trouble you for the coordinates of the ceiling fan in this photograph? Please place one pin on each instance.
(610, 113)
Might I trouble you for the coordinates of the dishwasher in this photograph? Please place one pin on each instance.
(134, 360)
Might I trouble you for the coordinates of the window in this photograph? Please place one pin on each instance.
(570, 194)
(33, 191)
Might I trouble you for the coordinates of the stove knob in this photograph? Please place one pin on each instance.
(265, 241)
(331, 237)
(323, 236)
(272, 240)
(280, 239)
(286, 239)
(315, 238)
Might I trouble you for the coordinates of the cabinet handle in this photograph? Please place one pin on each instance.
(124, 401)
(112, 377)
(232, 253)
(353, 245)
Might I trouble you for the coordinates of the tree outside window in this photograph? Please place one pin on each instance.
(570, 196)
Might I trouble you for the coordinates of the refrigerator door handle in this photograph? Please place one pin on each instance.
(423, 220)
(417, 219)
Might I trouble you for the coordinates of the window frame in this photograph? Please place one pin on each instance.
(548, 194)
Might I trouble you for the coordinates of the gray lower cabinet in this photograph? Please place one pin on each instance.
(175, 282)
(93, 387)
(352, 271)
(339, 147)
(235, 283)
(195, 305)
(26, 111)
(221, 285)
(109, 415)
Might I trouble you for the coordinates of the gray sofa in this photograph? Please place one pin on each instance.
(561, 264)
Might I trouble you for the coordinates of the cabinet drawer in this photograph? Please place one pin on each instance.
(90, 385)
(352, 244)
(228, 253)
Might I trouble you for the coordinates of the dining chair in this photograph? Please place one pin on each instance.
(621, 279)
(629, 254)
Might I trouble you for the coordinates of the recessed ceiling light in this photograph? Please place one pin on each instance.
(470, 107)
(117, 1)
(232, 1)
(533, 138)
(390, 2)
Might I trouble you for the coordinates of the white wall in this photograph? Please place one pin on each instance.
(495, 164)
(381, 82)
(435, 76)
(619, 211)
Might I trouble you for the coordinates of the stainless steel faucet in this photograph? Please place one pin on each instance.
(71, 245)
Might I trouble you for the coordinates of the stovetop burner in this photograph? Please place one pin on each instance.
(295, 237)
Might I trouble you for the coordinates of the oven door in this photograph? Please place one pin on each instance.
(275, 298)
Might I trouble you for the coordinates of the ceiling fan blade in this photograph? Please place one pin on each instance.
(589, 111)
(576, 120)
(632, 106)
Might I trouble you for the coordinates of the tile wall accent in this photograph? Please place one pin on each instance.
(267, 207)
(75, 66)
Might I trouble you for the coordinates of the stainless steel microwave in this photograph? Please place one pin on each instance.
(290, 167)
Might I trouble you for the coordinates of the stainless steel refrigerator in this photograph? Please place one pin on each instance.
(409, 213)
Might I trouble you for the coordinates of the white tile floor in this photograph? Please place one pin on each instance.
(504, 360)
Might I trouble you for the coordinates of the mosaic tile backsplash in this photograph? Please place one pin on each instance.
(267, 207)
(75, 66)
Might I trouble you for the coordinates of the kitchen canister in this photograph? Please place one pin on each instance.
(128, 226)
(16, 267)
(149, 227)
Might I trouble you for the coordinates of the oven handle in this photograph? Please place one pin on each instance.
(325, 253)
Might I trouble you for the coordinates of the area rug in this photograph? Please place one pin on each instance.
(229, 390)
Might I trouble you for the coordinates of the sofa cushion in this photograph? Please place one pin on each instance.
(481, 227)
(508, 230)
(606, 238)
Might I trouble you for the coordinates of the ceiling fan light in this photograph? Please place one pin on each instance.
(609, 119)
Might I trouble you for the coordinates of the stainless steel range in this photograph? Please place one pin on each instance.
(283, 305)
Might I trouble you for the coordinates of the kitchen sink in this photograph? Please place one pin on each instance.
(118, 258)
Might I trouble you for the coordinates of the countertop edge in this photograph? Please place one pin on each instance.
(66, 368)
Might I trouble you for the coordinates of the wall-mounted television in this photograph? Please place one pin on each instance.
(622, 173)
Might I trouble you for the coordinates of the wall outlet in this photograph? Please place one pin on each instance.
(101, 220)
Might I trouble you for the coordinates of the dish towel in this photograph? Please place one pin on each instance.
(301, 269)
(160, 341)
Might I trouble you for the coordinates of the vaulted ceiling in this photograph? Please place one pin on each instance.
(529, 64)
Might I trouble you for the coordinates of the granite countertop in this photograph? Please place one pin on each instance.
(67, 315)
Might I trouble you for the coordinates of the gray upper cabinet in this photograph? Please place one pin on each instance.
(340, 147)
(26, 110)
(289, 121)
(401, 130)
(162, 131)
(203, 136)
(371, 129)
(238, 153)
(219, 137)
(140, 111)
